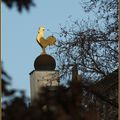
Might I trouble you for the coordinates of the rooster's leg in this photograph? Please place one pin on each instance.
(44, 52)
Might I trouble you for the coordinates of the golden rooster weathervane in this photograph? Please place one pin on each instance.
(44, 42)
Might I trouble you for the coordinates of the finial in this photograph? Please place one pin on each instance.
(44, 42)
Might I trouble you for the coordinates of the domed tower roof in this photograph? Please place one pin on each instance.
(44, 62)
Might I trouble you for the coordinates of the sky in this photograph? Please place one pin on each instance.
(19, 31)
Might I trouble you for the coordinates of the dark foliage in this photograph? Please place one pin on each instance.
(20, 4)
(6, 80)
(58, 104)
(78, 101)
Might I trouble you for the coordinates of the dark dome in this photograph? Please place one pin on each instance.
(44, 62)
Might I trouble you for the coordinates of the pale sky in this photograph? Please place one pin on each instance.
(19, 46)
